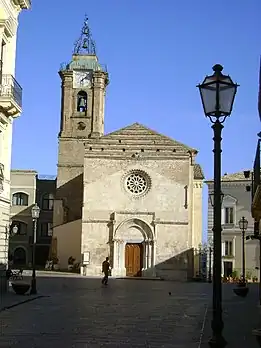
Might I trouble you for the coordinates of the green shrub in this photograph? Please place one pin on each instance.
(234, 274)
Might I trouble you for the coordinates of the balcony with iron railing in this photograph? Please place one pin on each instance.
(10, 95)
(24, 4)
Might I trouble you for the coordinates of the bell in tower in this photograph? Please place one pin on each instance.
(84, 82)
(82, 102)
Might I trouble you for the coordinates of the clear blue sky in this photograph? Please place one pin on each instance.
(156, 53)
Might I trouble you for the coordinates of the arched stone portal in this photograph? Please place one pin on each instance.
(19, 258)
(133, 236)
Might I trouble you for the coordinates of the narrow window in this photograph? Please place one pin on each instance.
(47, 201)
(2, 60)
(229, 215)
(186, 197)
(46, 229)
(228, 248)
(20, 198)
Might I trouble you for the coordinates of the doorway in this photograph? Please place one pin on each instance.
(133, 259)
(228, 268)
(19, 257)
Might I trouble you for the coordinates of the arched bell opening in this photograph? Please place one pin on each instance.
(82, 101)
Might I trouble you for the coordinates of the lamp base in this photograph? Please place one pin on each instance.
(217, 342)
(33, 290)
(257, 333)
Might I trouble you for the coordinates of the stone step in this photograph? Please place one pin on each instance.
(140, 278)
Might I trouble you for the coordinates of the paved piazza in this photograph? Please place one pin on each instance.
(81, 313)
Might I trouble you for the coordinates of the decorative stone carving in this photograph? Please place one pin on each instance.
(136, 182)
(136, 155)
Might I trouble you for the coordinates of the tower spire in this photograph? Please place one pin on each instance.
(85, 44)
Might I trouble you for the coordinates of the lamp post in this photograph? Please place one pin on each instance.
(217, 94)
(210, 246)
(200, 261)
(35, 217)
(210, 242)
(243, 223)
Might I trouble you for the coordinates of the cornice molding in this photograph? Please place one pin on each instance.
(94, 221)
(113, 156)
(230, 183)
(227, 184)
(198, 184)
(156, 222)
(65, 165)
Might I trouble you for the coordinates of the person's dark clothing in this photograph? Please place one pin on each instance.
(105, 270)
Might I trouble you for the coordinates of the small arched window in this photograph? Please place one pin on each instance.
(47, 201)
(82, 101)
(20, 198)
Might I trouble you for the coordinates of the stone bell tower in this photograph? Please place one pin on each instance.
(83, 86)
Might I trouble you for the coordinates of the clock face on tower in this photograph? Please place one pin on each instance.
(81, 79)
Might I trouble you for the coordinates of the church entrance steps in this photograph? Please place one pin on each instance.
(140, 278)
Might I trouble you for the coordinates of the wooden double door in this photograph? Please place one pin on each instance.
(133, 259)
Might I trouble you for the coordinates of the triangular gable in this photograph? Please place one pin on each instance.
(142, 134)
(229, 199)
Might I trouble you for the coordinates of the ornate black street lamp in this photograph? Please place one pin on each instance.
(35, 217)
(217, 94)
(210, 242)
(243, 223)
(211, 197)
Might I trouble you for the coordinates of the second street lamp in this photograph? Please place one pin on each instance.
(35, 217)
(243, 223)
(210, 250)
(217, 94)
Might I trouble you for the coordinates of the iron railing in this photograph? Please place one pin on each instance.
(23, 3)
(9, 87)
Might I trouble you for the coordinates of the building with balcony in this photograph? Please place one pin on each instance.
(236, 203)
(10, 108)
(28, 188)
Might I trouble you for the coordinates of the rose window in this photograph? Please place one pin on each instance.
(136, 183)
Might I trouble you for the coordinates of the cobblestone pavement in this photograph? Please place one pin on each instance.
(240, 316)
(81, 313)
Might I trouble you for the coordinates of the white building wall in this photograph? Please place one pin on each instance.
(9, 11)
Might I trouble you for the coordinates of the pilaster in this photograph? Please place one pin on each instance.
(100, 81)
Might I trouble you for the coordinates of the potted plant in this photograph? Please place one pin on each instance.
(20, 287)
(71, 261)
(55, 261)
(255, 279)
(248, 276)
(76, 267)
(241, 289)
(234, 276)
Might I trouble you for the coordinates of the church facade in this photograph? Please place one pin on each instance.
(134, 195)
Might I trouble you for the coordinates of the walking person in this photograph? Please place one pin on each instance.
(105, 270)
